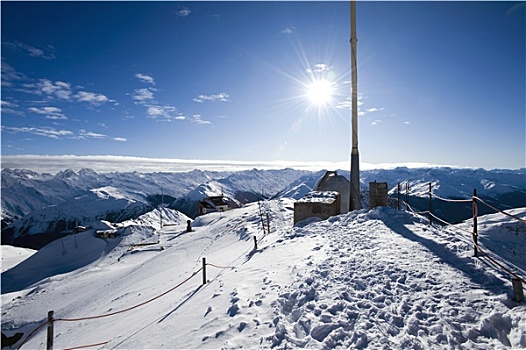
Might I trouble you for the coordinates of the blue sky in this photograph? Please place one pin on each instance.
(439, 82)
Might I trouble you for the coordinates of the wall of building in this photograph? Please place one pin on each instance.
(323, 209)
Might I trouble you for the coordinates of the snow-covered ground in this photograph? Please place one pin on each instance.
(12, 256)
(379, 279)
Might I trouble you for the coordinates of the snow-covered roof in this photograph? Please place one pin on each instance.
(320, 197)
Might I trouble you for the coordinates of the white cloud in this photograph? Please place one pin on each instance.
(376, 122)
(58, 89)
(374, 109)
(143, 94)
(318, 68)
(145, 78)
(50, 112)
(91, 97)
(120, 139)
(288, 30)
(166, 111)
(110, 163)
(9, 74)
(223, 97)
(45, 110)
(183, 12)
(92, 135)
(197, 119)
(31, 50)
(56, 117)
(154, 111)
(347, 103)
(58, 134)
(44, 131)
(53, 90)
(9, 108)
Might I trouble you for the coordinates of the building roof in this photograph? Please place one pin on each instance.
(327, 197)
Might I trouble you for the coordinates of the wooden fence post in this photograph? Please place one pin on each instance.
(50, 319)
(518, 293)
(255, 243)
(475, 230)
(261, 217)
(430, 204)
(268, 223)
(204, 271)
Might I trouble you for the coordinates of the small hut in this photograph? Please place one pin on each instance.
(105, 234)
(214, 203)
(321, 204)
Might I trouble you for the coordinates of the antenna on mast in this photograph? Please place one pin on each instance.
(355, 202)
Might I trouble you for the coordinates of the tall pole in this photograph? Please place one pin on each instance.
(355, 202)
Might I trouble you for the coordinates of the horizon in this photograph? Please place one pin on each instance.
(241, 83)
(107, 164)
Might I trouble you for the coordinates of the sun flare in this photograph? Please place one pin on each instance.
(320, 92)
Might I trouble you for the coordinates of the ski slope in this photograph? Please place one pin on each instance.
(367, 279)
(12, 256)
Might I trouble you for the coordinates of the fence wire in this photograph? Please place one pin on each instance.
(474, 235)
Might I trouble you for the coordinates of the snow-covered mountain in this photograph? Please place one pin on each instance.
(24, 191)
(38, 208)
(369, 279)
(452, 182)
(85, 248)
(502, 188)
(446, 182)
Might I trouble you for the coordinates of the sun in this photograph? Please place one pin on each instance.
(320, 92)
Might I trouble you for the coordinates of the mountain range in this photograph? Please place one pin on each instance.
(38, 208)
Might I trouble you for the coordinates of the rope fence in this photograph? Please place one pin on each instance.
(221, 267)
(51, 320)
(264, 214)
(516, 279)
(452, 200)
(87, 346)
(502, 212)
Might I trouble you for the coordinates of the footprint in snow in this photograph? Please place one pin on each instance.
(209, 310)
(232, 310)
(321, 332)
(241, 326)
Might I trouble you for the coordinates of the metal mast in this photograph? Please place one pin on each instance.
(355, 202)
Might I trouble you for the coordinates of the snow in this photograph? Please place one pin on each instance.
(12, 256)
(503, 235)
(107, 192)
(327, 197)
(378, 279)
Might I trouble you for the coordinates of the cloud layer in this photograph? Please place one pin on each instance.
(108, 163)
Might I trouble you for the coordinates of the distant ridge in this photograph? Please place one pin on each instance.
(40, 207)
